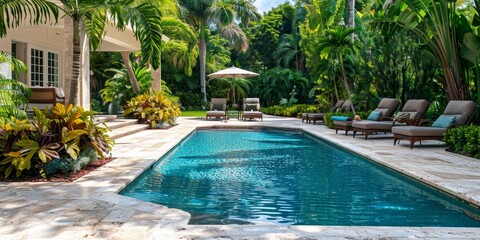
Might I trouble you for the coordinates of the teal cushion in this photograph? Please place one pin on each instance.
(374, 116)
(340, 118)
(444, 121)
(251, 107)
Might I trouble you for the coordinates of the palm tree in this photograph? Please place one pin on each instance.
(93, 16)
(15, 12)
(222, 14)
(336, 45)
(351, 18)
(287, 51)
(434, 22)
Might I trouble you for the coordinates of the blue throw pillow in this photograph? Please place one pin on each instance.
(374, 115)
(444, 121)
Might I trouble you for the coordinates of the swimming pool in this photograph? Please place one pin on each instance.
(241, 177)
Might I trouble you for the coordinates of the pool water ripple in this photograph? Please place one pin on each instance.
(242, 177)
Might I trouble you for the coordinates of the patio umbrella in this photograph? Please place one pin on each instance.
(233, 72)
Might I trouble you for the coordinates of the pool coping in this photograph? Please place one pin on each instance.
(122, 217)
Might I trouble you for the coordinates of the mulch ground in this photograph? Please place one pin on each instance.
(61, 177)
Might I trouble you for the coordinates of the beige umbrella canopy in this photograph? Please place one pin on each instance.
(233, 72)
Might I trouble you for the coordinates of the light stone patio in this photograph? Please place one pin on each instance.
(90, 208)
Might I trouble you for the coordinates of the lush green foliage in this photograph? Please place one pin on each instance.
(13, 94)
(57, 132)
(156, 108)
(68, 164)
(464, 140)
(274, 85)
(290, 111)
(119, 88)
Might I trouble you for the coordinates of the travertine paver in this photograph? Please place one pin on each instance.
(90, 208)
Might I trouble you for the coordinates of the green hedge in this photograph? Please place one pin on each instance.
(464, 140)
(290, 111)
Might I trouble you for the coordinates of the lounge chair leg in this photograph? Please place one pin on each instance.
(366, 135)
(395, 141)
(354, 133)
(346, 132)
(411, 144)
(336, 130)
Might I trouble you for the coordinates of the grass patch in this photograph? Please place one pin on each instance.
(196, 113)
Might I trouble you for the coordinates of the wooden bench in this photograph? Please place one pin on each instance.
(46, 95)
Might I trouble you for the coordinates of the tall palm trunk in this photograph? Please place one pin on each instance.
(203, 57)
(202, 48)
(346, 84)
(73, 99)
(351, 18)
(131, 74)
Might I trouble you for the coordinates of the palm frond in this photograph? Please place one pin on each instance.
(15, 12)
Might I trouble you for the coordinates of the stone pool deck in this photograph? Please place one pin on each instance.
(89, 208)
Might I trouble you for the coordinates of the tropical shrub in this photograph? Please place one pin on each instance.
(119, 86)
(157, 109)
(13, 94)
(67, 164)
(290, 111)
(464, 140)
(60, 132)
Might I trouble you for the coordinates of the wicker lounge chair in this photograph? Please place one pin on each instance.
(344, 125)
(308, 117)
(218, 108)
(411, 114)
(459, 112)
(251, 109)
(386, 107)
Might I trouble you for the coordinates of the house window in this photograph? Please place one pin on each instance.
(53, 69)
(36, 67)
(44, 68)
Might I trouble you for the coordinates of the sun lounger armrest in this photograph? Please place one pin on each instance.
(386, 119)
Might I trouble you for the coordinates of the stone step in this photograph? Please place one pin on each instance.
(127, 130)
(120, 122)
(104, 118)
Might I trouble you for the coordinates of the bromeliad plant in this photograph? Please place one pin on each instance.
(60, 132)
(156, 108)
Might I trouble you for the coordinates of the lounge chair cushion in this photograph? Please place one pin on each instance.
(443, 121)
(251, 107)
(415, 131)
(218, 107)
(343, 123)
(346, 107)
(373, 125)
(215, 113)
(387, 106)
(374, 116)
(337, 105)
(415, 107)
(462, 110)
(316, 115)
(252, 114)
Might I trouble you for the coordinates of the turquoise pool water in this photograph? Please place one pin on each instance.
(241, 177)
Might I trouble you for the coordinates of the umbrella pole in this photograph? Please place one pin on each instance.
(233, 93)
